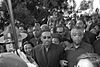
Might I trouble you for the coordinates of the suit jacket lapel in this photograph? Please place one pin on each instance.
(44, 55)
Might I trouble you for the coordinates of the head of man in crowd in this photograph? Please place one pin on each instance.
(95, 30)
(36, 31)
(60, 29)
(45, 27)
(77, 35)
(56, 38)
(55, 41)
(46, 38)
(29, 31)
(70, 24)
(80, 23)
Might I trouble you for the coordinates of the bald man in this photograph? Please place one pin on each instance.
(48, 54)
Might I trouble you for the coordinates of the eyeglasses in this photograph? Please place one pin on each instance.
(48, 37)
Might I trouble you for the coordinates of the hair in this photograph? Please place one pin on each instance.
(60, 26)
(45, 31)
(58, 36)
(45, 27)
(77, 28)
(92, 57)
(27, 42)
(81, 20)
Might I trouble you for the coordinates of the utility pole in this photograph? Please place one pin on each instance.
(13, 24)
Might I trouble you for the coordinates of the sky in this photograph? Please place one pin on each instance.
(96, 4)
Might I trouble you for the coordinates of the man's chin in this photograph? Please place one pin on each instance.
(46, 44)
(77, 43)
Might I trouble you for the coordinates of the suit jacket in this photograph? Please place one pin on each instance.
(73, 53)
(48, 59)
(96, 46)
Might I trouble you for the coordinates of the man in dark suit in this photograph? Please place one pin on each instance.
(96, 45)
(48, 54)
(78, 46)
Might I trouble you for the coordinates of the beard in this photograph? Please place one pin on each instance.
(77, 41)
(47, 43)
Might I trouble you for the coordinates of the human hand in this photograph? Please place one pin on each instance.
(89, 23)
(63, 63)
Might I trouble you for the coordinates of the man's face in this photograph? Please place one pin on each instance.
(36, 32)
(55, 40)
(60, 30)
(46, 38)
(30, 32)
(84, 63)
(80, 24)
(76, 35)
(51, 24)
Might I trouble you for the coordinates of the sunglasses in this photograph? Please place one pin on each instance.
(46, 37)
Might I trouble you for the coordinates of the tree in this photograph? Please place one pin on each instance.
(22, 14)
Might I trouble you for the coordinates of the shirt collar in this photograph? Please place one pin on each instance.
(75, 46)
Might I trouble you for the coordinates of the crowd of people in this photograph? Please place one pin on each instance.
(67, 39)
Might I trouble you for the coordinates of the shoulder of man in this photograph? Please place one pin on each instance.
(87, 46)
(57, 46)
(37, 46)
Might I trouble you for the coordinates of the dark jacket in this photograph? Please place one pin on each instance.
(96, 45)
(48, 59)
(73, 53)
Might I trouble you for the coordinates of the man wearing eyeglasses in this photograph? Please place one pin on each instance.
(48, 54)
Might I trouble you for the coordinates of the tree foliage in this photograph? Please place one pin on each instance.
(27, 13)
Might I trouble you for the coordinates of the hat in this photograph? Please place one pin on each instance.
(21, 36)
(8, 33)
